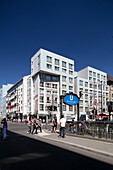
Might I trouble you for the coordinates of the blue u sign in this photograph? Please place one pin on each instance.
(71, 100)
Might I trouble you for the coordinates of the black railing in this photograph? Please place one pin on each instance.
(96, 129)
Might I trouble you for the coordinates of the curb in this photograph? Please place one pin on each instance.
(82, 147)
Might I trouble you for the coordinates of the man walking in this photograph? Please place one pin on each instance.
(62, 126)
(4, 122)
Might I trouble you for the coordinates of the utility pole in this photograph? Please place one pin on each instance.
(101, 96)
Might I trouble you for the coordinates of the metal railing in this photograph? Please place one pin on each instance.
(96, 129)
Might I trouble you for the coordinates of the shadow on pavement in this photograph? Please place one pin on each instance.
(23, 153)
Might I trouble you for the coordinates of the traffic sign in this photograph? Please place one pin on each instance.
(71, 99)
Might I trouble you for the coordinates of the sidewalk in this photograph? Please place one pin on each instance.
(97, 146)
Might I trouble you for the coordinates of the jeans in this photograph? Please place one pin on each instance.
(4, 133)
(72, 130)
(62, 129)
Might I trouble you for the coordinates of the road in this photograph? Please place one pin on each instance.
(24, 151)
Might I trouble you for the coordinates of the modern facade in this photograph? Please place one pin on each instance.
(53, 76)
(17, 99)
(3, 93)
(110, 83)
(92, 83)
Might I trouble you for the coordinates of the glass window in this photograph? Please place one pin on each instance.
(48, 85)
(41, 107)
(98, 75)
(49, 66)
(49, 59)
(71, 66)
(64, 107)
(90, 73)
(57, 62)
(70, 80)
(63, 92)
(70, 87)
(41, 99)
(48, 92)
(41, 84)
(42, 76)
(63, 70)
(64, 78)
(41, 91)
(48, 78)
(70, 108)
(94, 74)
(63, 86)
(63, 64)
(86, 84)
(70, 72)
(54, 86)
(80, 82)
(56, 68)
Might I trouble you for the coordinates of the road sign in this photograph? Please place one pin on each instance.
(71, 99)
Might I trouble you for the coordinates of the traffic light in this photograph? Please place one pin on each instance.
(80, 94)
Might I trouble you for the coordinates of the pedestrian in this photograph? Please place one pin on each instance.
(84, 127)
(55, 125)
(29, 125)
(5, 127)
(62, 126)
(38, 124)
(72, 126)
(34, 126)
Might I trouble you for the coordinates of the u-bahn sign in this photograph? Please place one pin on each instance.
(71, 99)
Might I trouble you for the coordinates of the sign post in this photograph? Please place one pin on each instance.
(72, 99)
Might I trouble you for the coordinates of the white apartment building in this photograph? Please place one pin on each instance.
(3, 93)
(30, 109)
(93, 85)
(53, 75)
(17, 99)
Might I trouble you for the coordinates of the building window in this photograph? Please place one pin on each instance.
(70, 87)
(48, 92)
(90, 78)
(56, 68)
(70, 108)
(49, 66)
(70, 72)
(63, 92)
(63, 64)
(70, 80)
(48, 85)
(54, 86)
(64, 107)
(86, 84)
(41, 99)
(41, 84)
(42, 77)
(41, 91)
(48, 78)
(54, 78)
(49, 59)
(71, 66)
(48, 100)
(98, 75)
(90, 73)
(57, 62)
(63, 70)
(41, 107)
(63, 86)
(80, 82)
(81, 109)
(55, 93)
(94, 74)
(64, 78)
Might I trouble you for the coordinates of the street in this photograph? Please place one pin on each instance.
(26, 151)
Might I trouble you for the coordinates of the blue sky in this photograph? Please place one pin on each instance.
(78, 29)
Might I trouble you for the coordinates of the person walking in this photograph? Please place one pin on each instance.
(30, 124)
(62, 126)
(55, 126)
(5, 127)
(34, 126)
(38, 124)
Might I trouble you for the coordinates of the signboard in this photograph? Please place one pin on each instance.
(71, 99)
